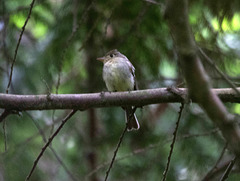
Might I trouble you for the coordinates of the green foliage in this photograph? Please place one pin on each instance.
(51, 47)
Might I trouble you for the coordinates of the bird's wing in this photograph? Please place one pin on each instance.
(132, 70)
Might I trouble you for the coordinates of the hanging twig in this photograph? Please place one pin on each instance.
(41, 132)
(211, 62)
(216, 164)
(2, 119)
(49, 141)
(150, 147)
(134, 26)
(119, 143)
(89, 34)
(228, 170)
(18, 43)
(5, 135)
(11, 71)
(172, 144)
(187, 136)
(115, 152)
(68, 42)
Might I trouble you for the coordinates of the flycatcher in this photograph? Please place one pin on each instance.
(119, 75)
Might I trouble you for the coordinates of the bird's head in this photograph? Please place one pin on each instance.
(110, 55)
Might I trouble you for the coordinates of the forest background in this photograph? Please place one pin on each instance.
(56, 54)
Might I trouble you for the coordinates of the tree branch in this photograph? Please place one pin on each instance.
(105, 99)
(197, 80)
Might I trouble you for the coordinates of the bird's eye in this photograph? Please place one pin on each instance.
(111, 55)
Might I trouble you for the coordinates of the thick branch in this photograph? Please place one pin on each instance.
(106, 99)
(196, 77)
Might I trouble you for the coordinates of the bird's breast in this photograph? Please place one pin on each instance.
(117, 75)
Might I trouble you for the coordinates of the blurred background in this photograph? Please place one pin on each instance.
(58, 54)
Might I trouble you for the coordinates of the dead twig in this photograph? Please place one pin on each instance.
(229, 169)
(68, 42)
(216, 164)
(7, 112)
(18, 43)
(211, 62)
(41, 132)
(49, 142)
(118, 145)
(150, 147)
(172, 144)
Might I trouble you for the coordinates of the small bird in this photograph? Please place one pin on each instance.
(119, 75)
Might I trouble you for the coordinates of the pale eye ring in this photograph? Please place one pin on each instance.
(111, 55)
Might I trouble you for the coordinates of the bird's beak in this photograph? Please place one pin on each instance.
(101, 59)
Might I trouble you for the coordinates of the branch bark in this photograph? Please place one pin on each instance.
(197, 80)
(105, 99)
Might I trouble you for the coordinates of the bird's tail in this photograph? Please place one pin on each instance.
(133, 122)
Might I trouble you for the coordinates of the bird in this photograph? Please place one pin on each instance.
(119, 75)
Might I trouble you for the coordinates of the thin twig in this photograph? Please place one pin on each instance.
(172, 144)
(49, 142)
(59, 78)
(229, 169)
(4, 35)
(68, 42)
(154, 2)
(62, 164)
(46, 85)
(41, 132)
(216, 164)
(211, 62)
(4, 114)
(198, 135)
(221, 155)
(151, 146)
(119, 143)
(115, 152)
(89, 34)
(75, 9)
(52, 127)
(45, 129)
(108, 19)
(5, 135)
(18, 43)
(86, 10)
(23, 8)
(221, 168)
(134, 25)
